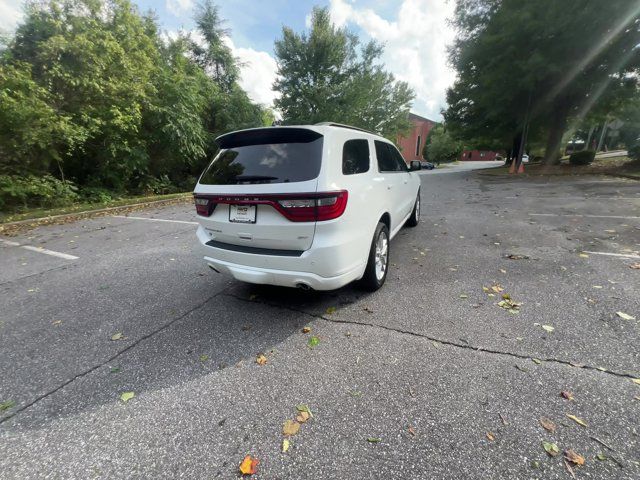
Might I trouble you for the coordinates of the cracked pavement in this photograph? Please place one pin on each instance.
(429, 364)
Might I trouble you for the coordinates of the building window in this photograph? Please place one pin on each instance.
(418, 146)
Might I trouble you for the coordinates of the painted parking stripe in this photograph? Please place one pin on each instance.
(44, 251)
(621, 255)
(156, 219)
(629, 217)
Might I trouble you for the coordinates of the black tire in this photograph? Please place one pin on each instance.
(414, 219)
(372, 280)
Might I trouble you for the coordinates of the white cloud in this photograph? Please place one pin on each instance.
(179, 7)
(415, 45)
(10, 15)
(257, 73)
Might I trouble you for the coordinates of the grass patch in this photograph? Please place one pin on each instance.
(36, 213)
(621, 165)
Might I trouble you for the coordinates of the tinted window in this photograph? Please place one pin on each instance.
(389, 159)
(355, 157)
(386, 163)
(265, 163)
(401, 165)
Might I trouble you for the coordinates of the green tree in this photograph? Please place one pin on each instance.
(441, 146)
(326, 75)
(544, 64)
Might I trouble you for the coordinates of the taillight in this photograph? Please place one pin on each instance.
(204, 206)
(319, 207)
(297, 207)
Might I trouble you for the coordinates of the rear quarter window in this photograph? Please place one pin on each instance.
(355, 157)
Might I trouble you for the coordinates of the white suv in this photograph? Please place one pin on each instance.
(305, 206)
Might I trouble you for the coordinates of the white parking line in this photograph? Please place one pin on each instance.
(53, 253)
(155, 219)
(622, 255)
(585, 216)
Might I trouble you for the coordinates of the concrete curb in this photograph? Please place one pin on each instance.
(63, 218)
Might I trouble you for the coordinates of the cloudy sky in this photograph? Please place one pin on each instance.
(415, 34)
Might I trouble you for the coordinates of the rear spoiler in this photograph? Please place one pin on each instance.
(264, 136)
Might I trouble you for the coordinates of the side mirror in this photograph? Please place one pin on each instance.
(414, 165)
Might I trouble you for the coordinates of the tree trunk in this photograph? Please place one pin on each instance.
(557, 127)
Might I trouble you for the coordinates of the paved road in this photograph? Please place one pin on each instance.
(452, 385)
(461, 167)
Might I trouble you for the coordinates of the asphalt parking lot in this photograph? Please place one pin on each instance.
(426, 378)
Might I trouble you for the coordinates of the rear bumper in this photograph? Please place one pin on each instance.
(326, 266)
(283, 278)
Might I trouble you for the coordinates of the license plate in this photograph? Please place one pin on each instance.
(242, 213)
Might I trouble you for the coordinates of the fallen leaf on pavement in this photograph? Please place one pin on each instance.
(625, 316)
(497, 288)
(490, 436)
(548, 425)
(601, 456)
(635, 266)
(577, 420)
(583, 255)
(331, 310)
(566, 394)
(249, 465)
(374, 440)
(536, 361)
(6, 405)
(304, 408)
(290, 427)
(574, 457)
(551, 448)
(126, 396)
(513, 256)
(56, 322)
(522, 369)
(568, 467)
(114, 370)
(306, 329)
(508, 304)
(285, 445)
(548, 328)
(204, 358)
(502, 270)
(412, 431)
(302, 417)
(117, 336)
(485, 289)
(636, 380)
(464, 295)
(313, 341)
(261, 359)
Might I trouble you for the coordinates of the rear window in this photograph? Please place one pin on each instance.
(355, 157)
(265, 156)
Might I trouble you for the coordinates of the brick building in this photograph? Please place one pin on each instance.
(411, 145)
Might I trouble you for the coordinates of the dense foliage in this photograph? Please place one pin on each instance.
(441, 146)
(546, 64)
(93, 95)
(326, 75)
(583, 157)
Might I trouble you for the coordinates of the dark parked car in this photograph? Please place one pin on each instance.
(427, 165)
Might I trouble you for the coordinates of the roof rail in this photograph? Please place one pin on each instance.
(333, 124)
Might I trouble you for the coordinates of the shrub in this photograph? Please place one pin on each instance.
(583, 157)
(96, 194)
(30, 191)
(633, 151)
